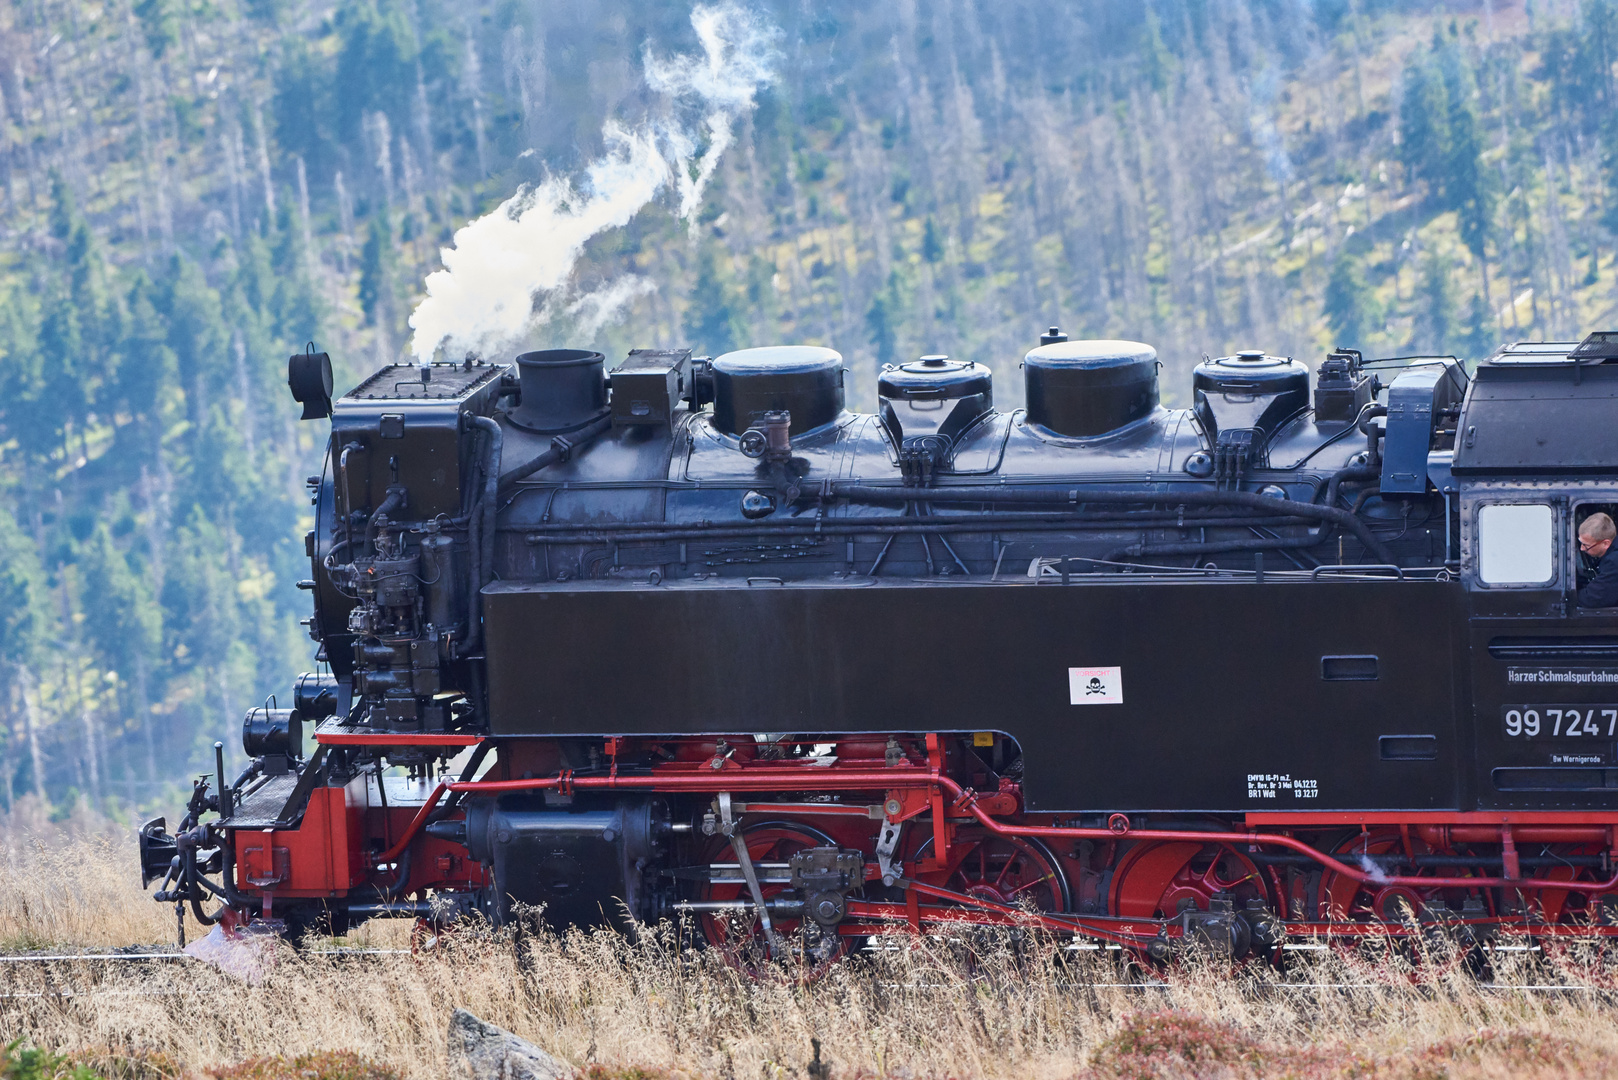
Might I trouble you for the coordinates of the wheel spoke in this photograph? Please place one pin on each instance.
(1042, 879)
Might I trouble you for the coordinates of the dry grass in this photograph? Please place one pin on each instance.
(75, 882)
(992, 1006)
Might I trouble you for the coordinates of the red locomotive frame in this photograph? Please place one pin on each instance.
(336, 849)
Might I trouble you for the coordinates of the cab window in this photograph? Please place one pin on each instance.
(1516, 544)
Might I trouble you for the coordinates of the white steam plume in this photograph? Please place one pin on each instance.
(511, 270)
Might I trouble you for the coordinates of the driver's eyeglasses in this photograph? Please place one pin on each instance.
(1586, 545)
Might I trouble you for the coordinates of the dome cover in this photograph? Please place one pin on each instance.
(805, 380)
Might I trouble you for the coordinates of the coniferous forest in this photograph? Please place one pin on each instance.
(194, 189)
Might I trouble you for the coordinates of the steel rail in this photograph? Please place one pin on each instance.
(67, 958)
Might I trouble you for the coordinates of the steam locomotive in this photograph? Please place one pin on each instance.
(692, 640)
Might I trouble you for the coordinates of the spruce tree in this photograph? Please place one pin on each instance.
(378, 269)
(932, 242)
(376, 68)
(159, 23)
(1481, 335)
(25, 627)
(1435, 329)
(301, 109)
(1352, 310)
(1469, 186)
(297, 308)
(709, 321)
(146, 387)
(77, 325)
(25, 617)
(22, 364)
(1424, 135)
(124, 623)
(880, 323)
(191, 308)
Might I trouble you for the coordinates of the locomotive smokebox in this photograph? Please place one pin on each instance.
(1082, 389)
(805, 380)
(562, 389)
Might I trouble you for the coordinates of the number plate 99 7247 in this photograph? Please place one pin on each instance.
(1560, 721)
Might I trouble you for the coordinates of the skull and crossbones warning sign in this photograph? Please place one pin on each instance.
(1095, 685)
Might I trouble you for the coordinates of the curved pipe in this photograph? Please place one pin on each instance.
(1075, 496)
(1348, 475)
(201, 916)
(391, 891)
(189, 887)
(1368, 429)
(467, 775)
(395, 500)
(419, 820)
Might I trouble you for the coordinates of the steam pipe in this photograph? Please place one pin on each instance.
(474, 549)
(963, 799)
(227, 872)
(225, 794)
(348, 488)
(483, 550)
(187, 886)
(467, 775)
(637, 533)
(561, 449)
(1074, 496)
(201, 916)
(1211, 547)
(421, 909)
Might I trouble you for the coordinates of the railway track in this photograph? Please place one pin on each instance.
(18, 962)
(47, 958)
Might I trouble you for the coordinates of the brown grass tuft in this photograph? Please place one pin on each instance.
(1145, 1043)
(326, 1065)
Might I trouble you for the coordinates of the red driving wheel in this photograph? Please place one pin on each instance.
(1012, 871)
(1155, 880)
(740, 933)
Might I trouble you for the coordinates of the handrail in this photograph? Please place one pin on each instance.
(1354, 567)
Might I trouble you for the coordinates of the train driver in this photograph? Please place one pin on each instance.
(1596, 534)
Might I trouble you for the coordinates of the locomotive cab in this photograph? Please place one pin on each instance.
(1538, 454)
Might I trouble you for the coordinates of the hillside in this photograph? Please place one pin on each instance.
(196, 188)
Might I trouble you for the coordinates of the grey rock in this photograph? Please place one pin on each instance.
(480, 1051)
